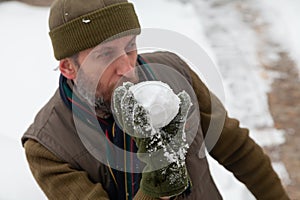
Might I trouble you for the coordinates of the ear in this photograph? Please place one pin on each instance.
(67, 68)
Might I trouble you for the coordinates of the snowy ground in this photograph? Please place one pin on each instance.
(28, 80)
(283, 15)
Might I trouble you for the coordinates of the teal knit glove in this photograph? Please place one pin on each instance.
(163, 150)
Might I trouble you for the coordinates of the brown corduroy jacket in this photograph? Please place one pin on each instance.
(62, 173)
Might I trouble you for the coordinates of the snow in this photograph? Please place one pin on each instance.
(26, 83)
(283, 16)
(162, 105)
(28, 79)
(282, 172)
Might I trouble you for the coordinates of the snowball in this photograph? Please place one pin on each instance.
(159, 99)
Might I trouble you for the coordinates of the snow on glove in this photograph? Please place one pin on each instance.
(163, 150)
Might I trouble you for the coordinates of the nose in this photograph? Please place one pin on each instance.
(123, 64)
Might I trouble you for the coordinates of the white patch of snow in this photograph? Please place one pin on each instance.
(282, 172)
(27, 81)
(283, 16)
(267, 137)
(16, 180)
(228, 185)
(245, 87)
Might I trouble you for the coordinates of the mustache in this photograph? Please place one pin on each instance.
(133, 78)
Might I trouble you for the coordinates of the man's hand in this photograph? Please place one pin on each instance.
(163, 150)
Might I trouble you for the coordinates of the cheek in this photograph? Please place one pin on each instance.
(105, 89)
(106, 80)
(107, 75)
(133, 58)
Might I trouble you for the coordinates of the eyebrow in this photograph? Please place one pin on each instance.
(105, 49)
(134, 37)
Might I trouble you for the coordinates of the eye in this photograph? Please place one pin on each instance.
(103, 55)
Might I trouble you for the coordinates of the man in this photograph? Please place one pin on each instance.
(67, 145)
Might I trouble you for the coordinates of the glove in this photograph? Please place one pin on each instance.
(163, 150)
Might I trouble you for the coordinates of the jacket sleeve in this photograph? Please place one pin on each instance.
(235, 150)
(57, 179)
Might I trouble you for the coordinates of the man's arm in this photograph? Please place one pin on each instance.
(236, 151)
(57, 179)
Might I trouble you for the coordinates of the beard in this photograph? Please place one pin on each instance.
(89, 90)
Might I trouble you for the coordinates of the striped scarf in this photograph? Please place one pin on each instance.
(124, 185)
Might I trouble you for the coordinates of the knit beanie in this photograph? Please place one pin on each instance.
(76, 25)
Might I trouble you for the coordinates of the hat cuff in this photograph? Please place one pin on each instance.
(89, 30)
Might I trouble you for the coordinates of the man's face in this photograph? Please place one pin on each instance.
(103, 66)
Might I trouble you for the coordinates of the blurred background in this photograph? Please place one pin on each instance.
(254, 43)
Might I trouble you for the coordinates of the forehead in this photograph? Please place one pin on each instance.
(112, 44)
(116, 43)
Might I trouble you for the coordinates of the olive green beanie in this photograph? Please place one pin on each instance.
(76, 25)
